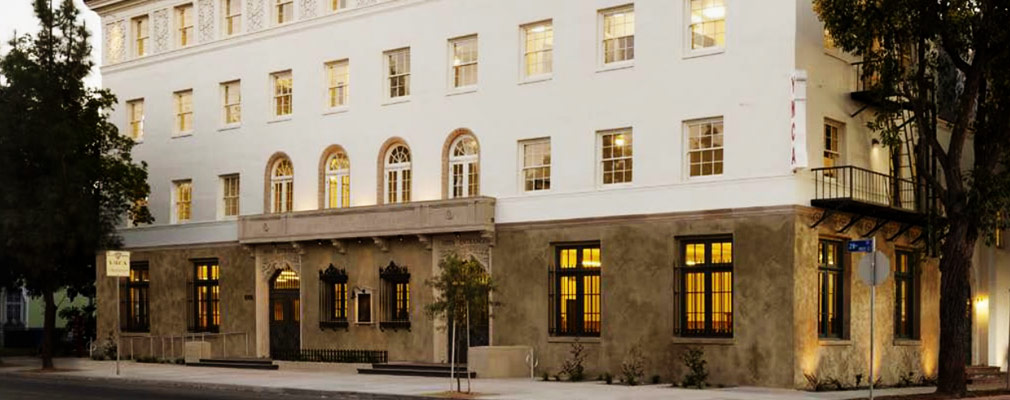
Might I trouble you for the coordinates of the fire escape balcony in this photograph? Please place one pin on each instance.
(867, 193)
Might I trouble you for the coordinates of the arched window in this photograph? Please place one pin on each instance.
(282, 186)
(398, 174)
(464, 168)
(338, 180)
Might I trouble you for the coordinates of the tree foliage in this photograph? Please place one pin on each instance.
(943, 65)
(68, 176)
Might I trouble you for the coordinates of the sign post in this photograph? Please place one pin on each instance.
(117, 265)
(873, 276)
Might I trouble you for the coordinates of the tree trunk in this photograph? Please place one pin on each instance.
(48, 329)
(955, 306)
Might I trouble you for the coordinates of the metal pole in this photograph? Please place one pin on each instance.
(119, 318)
(467, 346)
(873, 292)
(1008, 359)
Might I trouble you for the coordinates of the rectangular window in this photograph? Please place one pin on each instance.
(575, 291)
(830, 289)
(706, 287)
(618, 34)
(183, 112)
(284, 11)
(231, 10)
(615, 156)
(282, 82)
(208, 296)
(183, 199)
(337, 5)
(333, 298)
(231, 97)
(184, 25)
(707, 28)
(141, 33)
(705, 147)
(135, 109)
(538, 49)
(137, 298)
(395, 297)
(832, 144)
(338, 83)
(230, 195)
(536, 172)
(398, 72)
(464, 61)
(906, 295)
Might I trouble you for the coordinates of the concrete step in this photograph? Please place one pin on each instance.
(416, 369)
(235, 363)
(418, 366)
(238, 360)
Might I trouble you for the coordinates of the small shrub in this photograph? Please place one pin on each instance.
(819, 385)
(632, 369)
(573, 367)
(609, 379)
(859, 379)
(655, 379)
(927, 380)
(906, 380)
(557, 378)
(697, 374)
(546, 376)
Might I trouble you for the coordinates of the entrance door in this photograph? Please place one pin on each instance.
(285, 316)
(479, 334)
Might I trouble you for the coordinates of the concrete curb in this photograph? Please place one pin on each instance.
(43, 377)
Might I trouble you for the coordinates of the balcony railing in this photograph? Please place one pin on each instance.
(865, 186)
(864, 82)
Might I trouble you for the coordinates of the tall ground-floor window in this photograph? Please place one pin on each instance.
(395, 297)
(206, 297)
(575, 291)
(705, 298)
(136, 303)
(906, 295)
(333, 297)
(830, 289)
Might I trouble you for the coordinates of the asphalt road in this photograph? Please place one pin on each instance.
(19, 387)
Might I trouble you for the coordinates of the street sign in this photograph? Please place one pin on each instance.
(874, 276)
(117, 263)
(861, 246)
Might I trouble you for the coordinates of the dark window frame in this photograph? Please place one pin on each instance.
(210, 283)
(394, 297)
(910, 280)
(577, 326)
(708, 269)
(826, 329)
(141, 322)
(333, 302)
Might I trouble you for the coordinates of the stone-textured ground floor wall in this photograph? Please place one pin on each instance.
(844, 358)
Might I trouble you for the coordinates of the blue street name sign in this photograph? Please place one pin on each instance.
(861, 246)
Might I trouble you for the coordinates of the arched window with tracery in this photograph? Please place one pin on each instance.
(282, 186)
(338, 180)
(464, 167)
(397, 171)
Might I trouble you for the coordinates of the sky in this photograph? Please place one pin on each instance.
(18, 15)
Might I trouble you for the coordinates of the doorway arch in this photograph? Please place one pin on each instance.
(285, 314)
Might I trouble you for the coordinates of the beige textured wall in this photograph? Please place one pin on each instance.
(638, 255)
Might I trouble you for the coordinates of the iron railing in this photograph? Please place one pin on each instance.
(332, 355)
(864, 82)
(866, 186)
(169, 347)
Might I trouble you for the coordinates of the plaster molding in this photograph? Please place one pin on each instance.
(159, 29)
(309, 9)
(115, 41)
(381, 243)
(205, 19)
(279, 259)
(339, 245)
(256, 17)
(425, 240)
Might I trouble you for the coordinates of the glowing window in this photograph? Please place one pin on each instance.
(706, 288)
(538, 49)
(575, 291)
(618, 34)
(708, 24)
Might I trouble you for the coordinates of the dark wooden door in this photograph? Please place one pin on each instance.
(285, 312)
(480, 334)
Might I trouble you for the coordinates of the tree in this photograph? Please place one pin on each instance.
(68, 178)
(943, 65)
(463, 288)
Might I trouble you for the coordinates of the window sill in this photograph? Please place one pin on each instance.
(541, 192)
(614, 66)
(182, 134)
(704, 178)
(614, 186)
(333, 325)
(462, 90)
(228, 218)
(336, 110)
(229, 127)
(704, 341)
(703, 52)
(138, 141)
(834, 342)
(396, 100)
(282, 118)
(536, 79)
(908, 342)
(573, 339)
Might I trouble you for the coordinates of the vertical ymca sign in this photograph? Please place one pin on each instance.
(117, 265)
(798, 120)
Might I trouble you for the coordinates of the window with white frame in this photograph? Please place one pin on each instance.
(397, 171)
(183, 112)
(282, 180)
(615, 156)
(141, 34)
(230, 190)
(284, 11)
(618, 34)
(135, 110)
(282, 82)
(464, 61)
(231, 99)
(184, 25)
(707, 28)
(832, 143)
(337, 5)
(536, 172)
(183, 199)
(338, 83)
(464, 167)
(705, 147)
(398, 72)
(231, 12)
(538, 48)
(338, 180)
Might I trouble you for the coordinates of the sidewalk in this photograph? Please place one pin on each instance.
(342, 378)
